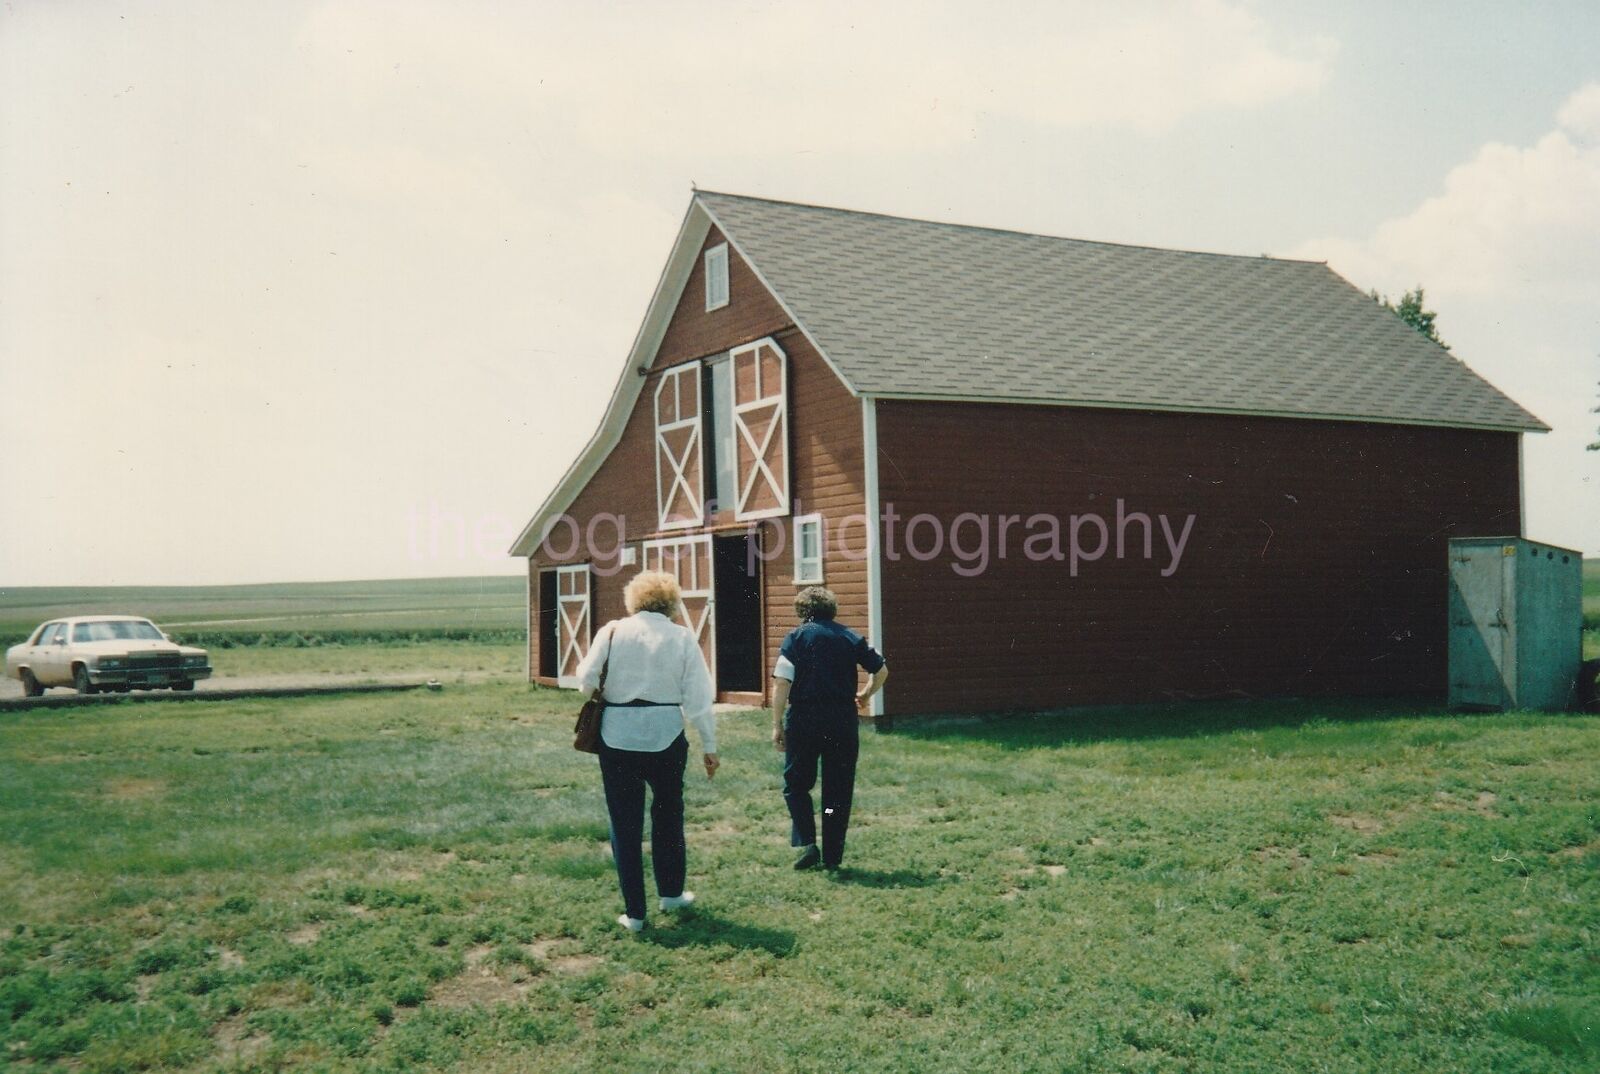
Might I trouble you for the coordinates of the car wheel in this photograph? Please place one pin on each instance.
(80, 679)
(183, 686)
(30, 685)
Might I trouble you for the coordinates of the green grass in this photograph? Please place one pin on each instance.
(444, 660)
(349, 610)
(419, 882)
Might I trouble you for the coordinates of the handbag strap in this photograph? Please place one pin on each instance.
(600, 690)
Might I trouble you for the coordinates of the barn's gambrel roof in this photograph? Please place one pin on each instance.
(914, 309)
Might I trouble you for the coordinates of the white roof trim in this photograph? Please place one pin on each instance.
(778, 298)
(669, 288)
(1167, 408)
(697, 223)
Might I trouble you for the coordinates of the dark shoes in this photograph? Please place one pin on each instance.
(811, 857)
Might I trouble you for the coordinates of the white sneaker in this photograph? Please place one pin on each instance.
(677, 902)
(632, 924)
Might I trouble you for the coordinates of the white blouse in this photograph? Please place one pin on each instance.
(655, 659)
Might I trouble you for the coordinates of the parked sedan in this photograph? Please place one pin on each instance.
(104, 652)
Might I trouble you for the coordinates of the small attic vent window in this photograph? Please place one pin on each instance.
(717, 277)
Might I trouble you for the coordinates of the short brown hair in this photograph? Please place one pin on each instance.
(816, 602)
(652, 591)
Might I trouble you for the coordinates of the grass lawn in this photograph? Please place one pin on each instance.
(420, 882)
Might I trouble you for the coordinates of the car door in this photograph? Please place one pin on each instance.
(27, 654)
(49, 659)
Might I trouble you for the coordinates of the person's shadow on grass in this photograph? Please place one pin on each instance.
(697, 928)
(882, 878)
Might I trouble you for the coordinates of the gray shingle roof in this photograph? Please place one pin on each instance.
(911, 307)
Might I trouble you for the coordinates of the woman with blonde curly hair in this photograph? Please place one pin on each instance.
(656, 683)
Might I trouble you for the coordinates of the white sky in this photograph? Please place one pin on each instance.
(337, 290)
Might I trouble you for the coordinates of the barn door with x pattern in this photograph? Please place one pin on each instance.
(573, 626)
(688, 559)
(680, 469)
(760, 430)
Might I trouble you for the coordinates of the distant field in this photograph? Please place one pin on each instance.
(445, 660)
(486, 609)
(432, 606)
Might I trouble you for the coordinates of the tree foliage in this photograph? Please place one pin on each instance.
(1411, 310)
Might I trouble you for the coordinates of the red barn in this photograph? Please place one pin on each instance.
(1097, 473)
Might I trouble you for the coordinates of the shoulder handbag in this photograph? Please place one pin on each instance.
(586, 732)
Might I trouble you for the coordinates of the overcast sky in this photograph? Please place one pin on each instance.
(337, 290)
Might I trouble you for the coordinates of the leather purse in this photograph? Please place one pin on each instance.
(586, 732)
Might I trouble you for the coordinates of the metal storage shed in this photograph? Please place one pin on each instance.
(1516, 622)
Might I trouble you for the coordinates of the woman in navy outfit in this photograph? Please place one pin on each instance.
(814, 706)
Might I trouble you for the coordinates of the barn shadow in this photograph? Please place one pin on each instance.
(697, 928)
(1185, 719)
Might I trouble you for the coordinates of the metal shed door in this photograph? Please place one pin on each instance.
(688, 559)
(572, 622)
(1482, 647)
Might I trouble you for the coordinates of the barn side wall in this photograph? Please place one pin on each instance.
(534, 641)
(826, 454)
(1315, 565)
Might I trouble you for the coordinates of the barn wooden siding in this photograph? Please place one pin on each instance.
(751, 313)
(827, 463)
(830, 479)
(1316, 564)
(534, 638)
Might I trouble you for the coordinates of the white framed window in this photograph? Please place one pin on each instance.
(721, 451)
(717, 277)
(761, 428)
(573, 623)
(808, 550)
(689, 560)
(680, 460)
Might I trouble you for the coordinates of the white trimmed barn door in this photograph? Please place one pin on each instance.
(680, 451)
(760, 430)
(688, 559)
(573, 627)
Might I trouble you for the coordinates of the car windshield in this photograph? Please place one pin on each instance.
(116, 630)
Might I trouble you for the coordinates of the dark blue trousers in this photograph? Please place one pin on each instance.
(831, 739)
(625, 774)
